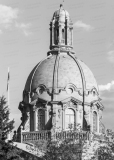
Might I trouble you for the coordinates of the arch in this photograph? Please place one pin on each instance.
(41, 119)
(69, 118)
(94, 121)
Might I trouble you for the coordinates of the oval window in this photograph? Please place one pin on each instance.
(40, 90)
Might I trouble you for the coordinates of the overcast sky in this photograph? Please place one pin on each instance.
(24, 41)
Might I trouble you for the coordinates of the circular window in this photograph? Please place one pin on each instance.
(69, 90)
(40, 90)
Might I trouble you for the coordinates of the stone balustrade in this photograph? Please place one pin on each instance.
(73, 135)
(35, 136)
(46, 135)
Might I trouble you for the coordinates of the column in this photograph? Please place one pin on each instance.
(45, 116)
(68, 35)
(60, 34)
(98, 121)
(53, 34)
(31, 119)
(50, 35)
(91, 118)
(66, 32)
(76, 114)
(34, 117)
(54, 124)
(62, 118)
(72, 37)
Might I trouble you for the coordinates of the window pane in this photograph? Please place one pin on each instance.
(72, 119)
(69, 111)
(41, 119)
(69, 118)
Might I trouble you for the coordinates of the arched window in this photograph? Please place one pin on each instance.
(63, 36)
(41, 119)
(94, 121)
(69, 118)
(56, 36)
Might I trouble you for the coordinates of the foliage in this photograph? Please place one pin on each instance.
(6, 126)
(63, 148)
(69, 149)
(7, 150)
(105, 152)
(102, 150)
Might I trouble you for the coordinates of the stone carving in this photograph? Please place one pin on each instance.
(80, 113)
(59, 113)
(34, 108)
(94, 107)
(71, 105)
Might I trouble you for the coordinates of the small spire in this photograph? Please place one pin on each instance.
(61, 5)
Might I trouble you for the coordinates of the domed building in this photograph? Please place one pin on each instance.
(61, 92)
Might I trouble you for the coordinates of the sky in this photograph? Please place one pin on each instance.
(25, 37)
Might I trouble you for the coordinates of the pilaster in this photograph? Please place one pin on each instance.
(98, 121)
(34, 117)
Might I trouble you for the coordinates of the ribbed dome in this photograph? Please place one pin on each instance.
(61, 73)
(59, 70)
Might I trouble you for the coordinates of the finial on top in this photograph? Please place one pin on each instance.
(61, 5)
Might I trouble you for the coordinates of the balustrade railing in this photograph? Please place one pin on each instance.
(35, 136)
(46, 135)
(73, 135)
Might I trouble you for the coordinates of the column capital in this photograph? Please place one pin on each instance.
(34, 108)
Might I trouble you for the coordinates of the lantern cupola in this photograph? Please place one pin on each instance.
(61, 30)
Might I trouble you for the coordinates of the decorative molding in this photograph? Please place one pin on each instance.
(59, 113)
(34, 108)
(72, 99)
(40, 89)
(98, 104)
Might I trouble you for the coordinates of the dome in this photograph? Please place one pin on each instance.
(60, 73)
(59, 70)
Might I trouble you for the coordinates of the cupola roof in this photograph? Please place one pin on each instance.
(61, 14)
